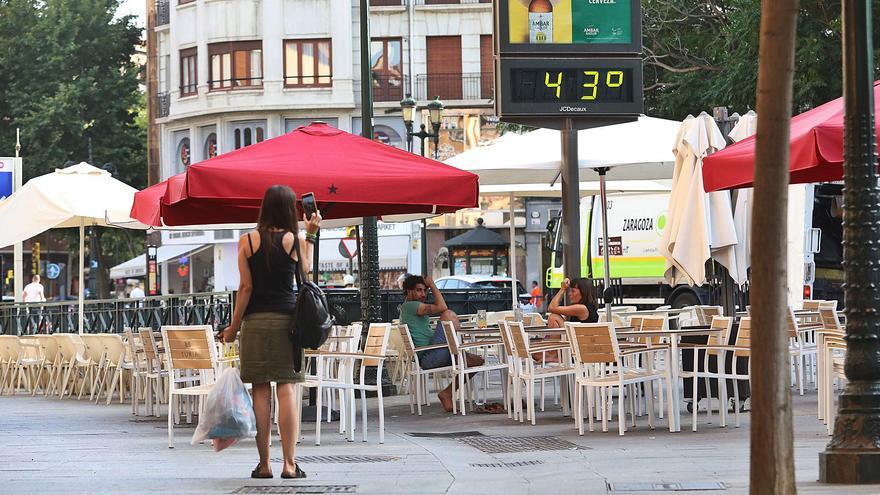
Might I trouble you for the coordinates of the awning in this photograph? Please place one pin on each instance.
(137, 266)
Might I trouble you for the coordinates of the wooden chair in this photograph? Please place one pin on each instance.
(96, 353)
(30, 362)
(740, 351)
(335, 370)
(460, 368)
(154, 372)
(10, 350)
(706, 313)
(714, 348)
(115, 368)
(188, 348)
(417, 378)
(600, 364)
(802, 346)
(50, 366)
(830, 344)
(526, 372)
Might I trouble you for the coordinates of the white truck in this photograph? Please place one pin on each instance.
(635, 227)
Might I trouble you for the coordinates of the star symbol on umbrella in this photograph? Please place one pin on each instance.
(332, 189)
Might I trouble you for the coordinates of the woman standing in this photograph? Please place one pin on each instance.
(267, 261)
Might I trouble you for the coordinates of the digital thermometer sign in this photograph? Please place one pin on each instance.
(570, 87)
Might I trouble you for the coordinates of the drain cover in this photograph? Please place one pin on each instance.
(298, 489)
(451, 434)
(667, 487)
(341, 459)
(501, 445)
(507, 464)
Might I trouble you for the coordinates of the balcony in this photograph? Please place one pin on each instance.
(163, 105)
(455, 86)
(387, 3)
(163, 12)
(388, 87)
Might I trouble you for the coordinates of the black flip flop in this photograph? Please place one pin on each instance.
(299, 473)
(258, 475)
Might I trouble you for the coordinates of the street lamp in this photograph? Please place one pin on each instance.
(435, 113)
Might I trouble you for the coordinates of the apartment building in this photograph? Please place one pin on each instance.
(231, 73)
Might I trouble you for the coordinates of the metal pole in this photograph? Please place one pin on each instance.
(80, 288)
(571, 216)
(853, 455)
(511, 256)
(424, 231)
(603, 194)
(17, 249)
(370, 297)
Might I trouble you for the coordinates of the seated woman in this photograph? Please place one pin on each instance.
(581, 308)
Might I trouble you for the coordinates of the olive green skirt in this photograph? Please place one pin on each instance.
(266, 349)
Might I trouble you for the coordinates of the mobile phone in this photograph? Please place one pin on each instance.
(308, 204)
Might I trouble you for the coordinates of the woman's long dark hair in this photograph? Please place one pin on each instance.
(278, 210)
(585, 286)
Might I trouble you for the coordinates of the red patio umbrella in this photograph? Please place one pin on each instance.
(351, 177)
(816, 150)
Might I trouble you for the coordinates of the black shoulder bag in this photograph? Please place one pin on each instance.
(312, 320)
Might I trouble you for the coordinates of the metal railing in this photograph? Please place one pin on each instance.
(214, 308)
(387, 3)
(163, 104)
(455, 86)
(113, 315)
(163, 12)
(388, 88)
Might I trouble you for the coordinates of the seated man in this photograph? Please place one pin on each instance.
(416, 313)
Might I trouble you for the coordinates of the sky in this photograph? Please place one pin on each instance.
(134, 7)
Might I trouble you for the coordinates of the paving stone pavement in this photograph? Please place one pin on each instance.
(68, 446)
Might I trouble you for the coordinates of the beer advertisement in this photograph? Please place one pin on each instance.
(570, 22)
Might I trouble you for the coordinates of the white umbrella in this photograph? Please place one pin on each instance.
(700, 225)
(742, 212)
(526, 164)
(77, 196)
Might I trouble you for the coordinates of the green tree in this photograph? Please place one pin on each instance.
(704, 53)
(67, 80)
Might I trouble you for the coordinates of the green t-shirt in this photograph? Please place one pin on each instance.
(419, 326)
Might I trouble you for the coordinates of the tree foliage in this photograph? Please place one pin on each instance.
(67, 77)
(704, 53)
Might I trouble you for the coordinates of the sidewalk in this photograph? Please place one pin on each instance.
(52, 446)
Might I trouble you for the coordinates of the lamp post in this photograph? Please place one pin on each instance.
(435, 111)
(853, 455)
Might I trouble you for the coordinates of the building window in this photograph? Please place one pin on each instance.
(236, 65)
(248, 133)
(307, 63)
(183, 154)
(211, 146)
(387, 69)
(188, 72)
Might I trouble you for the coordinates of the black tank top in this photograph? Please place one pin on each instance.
(592, 315)
(272, 272)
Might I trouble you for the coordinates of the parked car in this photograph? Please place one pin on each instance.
(480, 282)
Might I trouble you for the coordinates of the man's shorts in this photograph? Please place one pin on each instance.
(436, 358)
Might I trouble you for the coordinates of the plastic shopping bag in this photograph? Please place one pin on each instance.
(228, 415)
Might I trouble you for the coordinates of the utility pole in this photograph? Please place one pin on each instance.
(853, 455)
